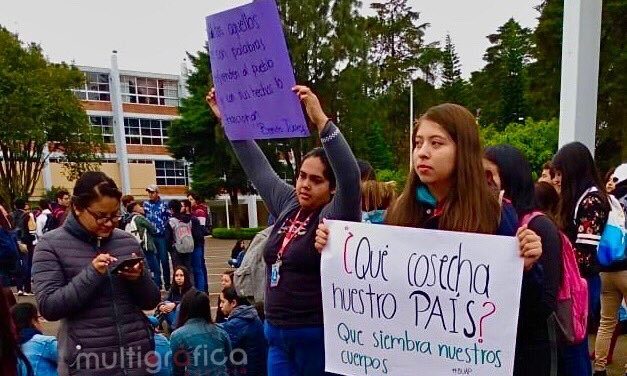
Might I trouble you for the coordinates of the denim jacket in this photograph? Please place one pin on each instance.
(205, 345)
(41, 352)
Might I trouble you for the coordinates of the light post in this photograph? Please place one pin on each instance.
(411, 114)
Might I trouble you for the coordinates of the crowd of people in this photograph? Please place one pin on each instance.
(89, 273)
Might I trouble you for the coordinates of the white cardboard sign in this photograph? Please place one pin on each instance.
(404, 301)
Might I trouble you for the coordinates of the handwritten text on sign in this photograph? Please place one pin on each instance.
(397, 300)
(252, 73)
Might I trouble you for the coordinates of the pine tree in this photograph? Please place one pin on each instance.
(453, 88)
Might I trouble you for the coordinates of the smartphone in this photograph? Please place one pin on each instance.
(128, 263)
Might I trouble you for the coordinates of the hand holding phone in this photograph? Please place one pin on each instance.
(133, 265)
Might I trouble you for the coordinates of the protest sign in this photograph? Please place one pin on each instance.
(405, 301)
(252, 73)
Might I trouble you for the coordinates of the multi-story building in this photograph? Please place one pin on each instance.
(133, 111)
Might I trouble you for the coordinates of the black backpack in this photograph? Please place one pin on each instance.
(51, 223)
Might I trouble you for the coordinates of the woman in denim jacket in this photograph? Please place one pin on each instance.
(40, 350)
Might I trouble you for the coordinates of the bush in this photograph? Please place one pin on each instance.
(537, 140)
(233, 233)
(400, 177)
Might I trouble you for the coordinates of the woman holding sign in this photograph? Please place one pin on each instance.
(327, 187)
(447, 188)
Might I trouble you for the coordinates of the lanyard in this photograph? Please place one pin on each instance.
(291, 233)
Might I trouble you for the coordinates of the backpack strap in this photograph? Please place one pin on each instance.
(529, 216)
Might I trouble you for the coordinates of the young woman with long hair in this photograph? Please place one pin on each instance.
(535, 344)
(582, 214)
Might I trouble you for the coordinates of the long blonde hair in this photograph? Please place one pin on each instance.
(376, 195)
(470, 205)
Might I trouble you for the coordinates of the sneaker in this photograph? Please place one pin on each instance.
(20, 293)
(28, 294)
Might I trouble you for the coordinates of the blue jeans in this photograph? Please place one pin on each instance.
(199, 268)
(295, 352)
(594, 302)
(24, 271)
(575, 360)
(153, 265)
(163, 257)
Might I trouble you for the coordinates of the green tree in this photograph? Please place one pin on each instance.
(545, 74)
(537, 140)
(198, 137)
(39, 110)
(453, 88)
(499, 88)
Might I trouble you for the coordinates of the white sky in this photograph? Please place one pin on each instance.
(153, 35)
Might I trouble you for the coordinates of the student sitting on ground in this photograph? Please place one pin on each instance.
(168, 309)
(40, 350)
(245, 330)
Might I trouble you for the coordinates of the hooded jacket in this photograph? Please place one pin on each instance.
(101, 314)
(245, 331)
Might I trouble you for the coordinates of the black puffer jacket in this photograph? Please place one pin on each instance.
(100, 314)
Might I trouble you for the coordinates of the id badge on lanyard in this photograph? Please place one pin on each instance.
(292, 232)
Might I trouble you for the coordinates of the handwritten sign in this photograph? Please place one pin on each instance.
(252, 73)
(404, 301)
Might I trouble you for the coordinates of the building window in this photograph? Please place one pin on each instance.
(104, 125)
(146, 131)
(171, 173)
(149, 91)
(96, 87)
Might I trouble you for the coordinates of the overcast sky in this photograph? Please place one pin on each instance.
(153, 35)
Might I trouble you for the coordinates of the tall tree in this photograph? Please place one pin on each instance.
(612, 94)
(499, 88)
(398, 52)
(39, 110)
(198, 137)
(453, 86)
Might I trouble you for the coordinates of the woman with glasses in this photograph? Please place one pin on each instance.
(103, 329)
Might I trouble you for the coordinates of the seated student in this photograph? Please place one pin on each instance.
(40, 350)
(168, 309)
(226, 281)
(162, 364)
(237, 248)
(237, 261)
(198, 346)
(245, 330)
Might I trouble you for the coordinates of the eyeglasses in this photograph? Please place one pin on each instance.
(101, 219)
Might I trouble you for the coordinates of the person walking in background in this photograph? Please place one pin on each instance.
(59, 209)
(157, 213)
(21, 219)
(182, 233)
(582, 214)
(40, 350)
(100, 308)
(144, 232)
(199, 266)
(126, 216)
(201, 211)
(45, 220)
